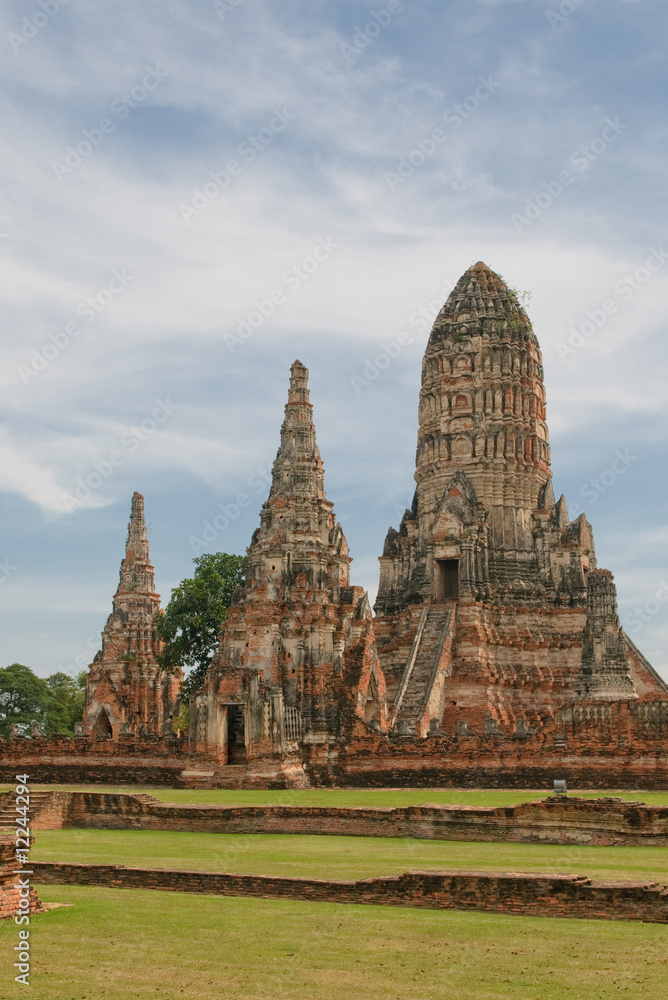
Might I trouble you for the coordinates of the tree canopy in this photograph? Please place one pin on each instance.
(55, 702)
(191, 622)
(65, 706)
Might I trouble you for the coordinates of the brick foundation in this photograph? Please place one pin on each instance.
(157, 762)
(591, 759)
(365, 760)
(599, 822)
(491, 892)
(10, 873)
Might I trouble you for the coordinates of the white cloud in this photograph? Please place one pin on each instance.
(323, 175)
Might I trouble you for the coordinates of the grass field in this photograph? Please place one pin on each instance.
(132, 944)
(356, 796)
(124, 944)
(338, 857)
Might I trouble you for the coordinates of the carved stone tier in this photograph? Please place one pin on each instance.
(485, 538)
(297, 659)
(127, 690)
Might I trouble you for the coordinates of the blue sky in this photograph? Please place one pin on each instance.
(173, 170)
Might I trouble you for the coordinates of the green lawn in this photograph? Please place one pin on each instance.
(137, 945)
(356, 796)
(338, 857)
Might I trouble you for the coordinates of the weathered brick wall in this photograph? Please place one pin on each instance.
(496, 767)
(53, 813)
(495, 892)
(592, 759)
(589, 759)
(169, 762)
(553, 820)
(10, 873)
(128, 760)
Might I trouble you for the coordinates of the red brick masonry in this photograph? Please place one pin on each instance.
(62, 759)
(555, 820)
(368, 761)
(492, 892)
(10, 873)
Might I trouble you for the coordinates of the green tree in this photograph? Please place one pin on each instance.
(23, 698)
(66, 703)
(191, 622)
(56, 703)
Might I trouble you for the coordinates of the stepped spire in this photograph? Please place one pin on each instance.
(604, 669)
(137, 543)
(482, 402)
(137, 575)
(127, 689)
(297, 525)
(297, 657)
(482, 303)
(483, 457)
(298, 469)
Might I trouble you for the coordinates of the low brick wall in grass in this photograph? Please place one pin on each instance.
(13, 876)
(556, 820)
(491, 892)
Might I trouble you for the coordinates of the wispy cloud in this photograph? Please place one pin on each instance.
(323, 177)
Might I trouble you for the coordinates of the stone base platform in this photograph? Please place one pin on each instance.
(489, 892)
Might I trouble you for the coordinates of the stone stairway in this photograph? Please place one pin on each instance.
(8, 814)
(422, 666)
(149, 800)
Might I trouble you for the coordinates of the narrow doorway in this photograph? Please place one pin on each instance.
(102, 724)
(236, 735)
(448, 579)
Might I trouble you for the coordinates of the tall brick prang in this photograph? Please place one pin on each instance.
(127, 690)
(496, 655)
(297, 659)
(491, 613)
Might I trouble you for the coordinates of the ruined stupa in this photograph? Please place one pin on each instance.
(491, 611)
(127, 690)
(297, 659)
(496, 641)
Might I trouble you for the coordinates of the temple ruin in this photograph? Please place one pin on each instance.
(297, 659)
(491, 610)
(496, 642)
(127, 690)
